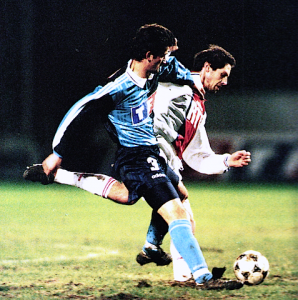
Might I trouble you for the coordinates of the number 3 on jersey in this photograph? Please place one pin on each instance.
(153, 162)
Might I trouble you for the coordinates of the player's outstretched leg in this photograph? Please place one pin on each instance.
(97, 184)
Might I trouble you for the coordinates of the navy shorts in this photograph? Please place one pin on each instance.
(146, 174)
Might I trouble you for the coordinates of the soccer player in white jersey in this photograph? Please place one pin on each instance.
(179, 125)
(232, 159)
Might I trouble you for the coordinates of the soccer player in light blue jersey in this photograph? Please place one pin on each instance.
(125, 105)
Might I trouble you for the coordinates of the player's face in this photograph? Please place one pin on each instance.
(215, 79)
(156, 61)
(159, 60)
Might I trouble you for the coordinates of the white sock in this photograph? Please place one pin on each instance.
(150, 246)
(97, 184)
(65, 177)
(180, 268)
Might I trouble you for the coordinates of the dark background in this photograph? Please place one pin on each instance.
(55, 52)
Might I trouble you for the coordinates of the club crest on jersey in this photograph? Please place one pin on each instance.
(143, 111)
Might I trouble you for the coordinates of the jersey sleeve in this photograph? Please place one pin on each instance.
(170, 108)
(173, 71)
(199, 156)
(78, 126)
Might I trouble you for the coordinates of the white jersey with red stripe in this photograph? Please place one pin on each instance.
(179, 123)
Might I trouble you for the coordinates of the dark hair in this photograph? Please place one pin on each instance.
(216, 56)
(151, 37)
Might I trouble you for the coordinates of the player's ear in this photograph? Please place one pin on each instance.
(149, 56)
(207, 66)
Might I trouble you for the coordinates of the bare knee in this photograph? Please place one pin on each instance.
(173, 210)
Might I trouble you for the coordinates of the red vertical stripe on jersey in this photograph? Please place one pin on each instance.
(193, 118)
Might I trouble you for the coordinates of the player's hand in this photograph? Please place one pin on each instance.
(51, 163)
(239, 159)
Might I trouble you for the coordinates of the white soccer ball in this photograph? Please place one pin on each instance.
(251, 267)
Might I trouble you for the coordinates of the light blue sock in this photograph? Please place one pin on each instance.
(188, 247)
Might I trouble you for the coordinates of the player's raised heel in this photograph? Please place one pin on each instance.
(36, 173)
(219, 284)
(157, 256)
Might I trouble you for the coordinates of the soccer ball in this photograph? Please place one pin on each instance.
(251, 267)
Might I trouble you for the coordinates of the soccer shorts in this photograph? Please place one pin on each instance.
(146, 174)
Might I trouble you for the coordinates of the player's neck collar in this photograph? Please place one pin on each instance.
(140, 82)
(199, 85)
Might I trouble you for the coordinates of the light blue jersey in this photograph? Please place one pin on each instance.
(131, 99)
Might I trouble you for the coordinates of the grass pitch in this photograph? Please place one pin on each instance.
(59, 242)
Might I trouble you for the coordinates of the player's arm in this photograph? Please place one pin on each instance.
(175, 72)
(80, 121)
(200, 157)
